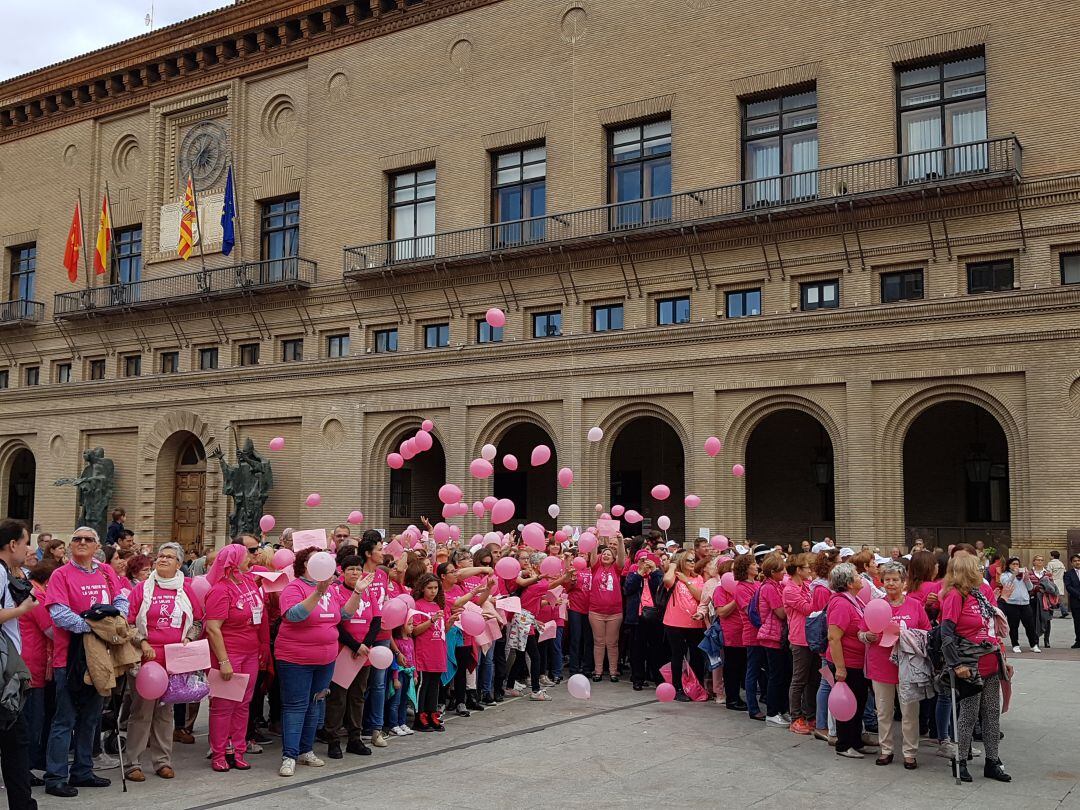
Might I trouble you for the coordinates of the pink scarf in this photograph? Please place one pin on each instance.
(227, 563)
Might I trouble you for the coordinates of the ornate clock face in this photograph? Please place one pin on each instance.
(204, 155)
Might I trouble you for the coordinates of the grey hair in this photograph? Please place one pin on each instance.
(893, 567)
(460, 554)
(841, 577)
(175, 547)
(97, 537)
(537, 557)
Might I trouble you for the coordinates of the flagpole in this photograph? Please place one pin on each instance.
(112, 233)
(236, 216)
(82, 248)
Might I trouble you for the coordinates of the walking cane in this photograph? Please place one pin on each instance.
(955, 725)
(119, 740)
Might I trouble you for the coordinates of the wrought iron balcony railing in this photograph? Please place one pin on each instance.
(980, 163)
(21, 311)
(198, 285)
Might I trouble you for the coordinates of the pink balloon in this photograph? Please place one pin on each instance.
(423, 440)
(587, 543)
(727, 582)
(441, 532)
(579, 687)
(380, 657)
(617, 510)
(591, 530)
(664, 522)
(480, 468)
(475, 539)
(842, 702)
(551, 567)
(534, 536)
(661, 492)
(866, 594)
(283, 558)
(394, 613)
(692, 501)
(201, 586)
(665, 693)
(510, 462)
(713, 446)
(478, 508)
(878, 615)
(355, 518)
(566, 477)
(314, 499)
(560, 536)
(472, 623)
(427, 426)
(489, 502)
(321, 566)
(395, 461)
(488, 451)
(407, 450)
(579, 563)
(595, 434)
(455, 532)
(449, 511)
(277, 443)
(541, 454)
(412, 446)
(605, 516)
(719, 542)
(495, 318)
(502, 511)
(267, 523)
(508, 568)
(152, 680)
(410, 603)
(738, 470)
(632, 516)
(449, 493)
(599, 508)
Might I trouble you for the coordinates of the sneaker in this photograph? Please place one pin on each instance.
(1016, 648)
(253, 747)
(462, 711)
(407, 730)
(308, 758)
(777, 720)
(541, 695)
(1036, 649)
(103, 762)
(520, 687)
(288, 767)
(870, 738)
(546, 681)
(260, 736)
(946, 750)
(851, 753)
(799, 726)
(399, 731)
(378, 739)
(515, 692)
(787, 718)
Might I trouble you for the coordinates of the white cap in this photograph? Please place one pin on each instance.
(476, 548)
(879, 559)
(846, 552)
(742, 549)
(819, 547)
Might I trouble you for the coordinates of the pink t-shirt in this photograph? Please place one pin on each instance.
(970, 624)
(378, 593)
(844, 614)
(237, 606)
(36, 631)
(80, 590)
(605, 592)
(164, 624)
(579, 589)
(732, 625)
(878, 666)
(744, 592)
(314, 640)
(682, 605)
(358, 625)
(532, 598)
(772, 597)
(798, 605)
(429, 648)
(820, 594)
(924, 589)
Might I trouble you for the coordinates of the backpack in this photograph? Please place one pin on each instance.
(753, 610)
(817, 631)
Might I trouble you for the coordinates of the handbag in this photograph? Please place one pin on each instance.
(186, 687)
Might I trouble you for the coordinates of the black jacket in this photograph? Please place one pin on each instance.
(1072, 586)
(632, 593)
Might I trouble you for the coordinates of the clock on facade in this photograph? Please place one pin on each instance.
(203, 154)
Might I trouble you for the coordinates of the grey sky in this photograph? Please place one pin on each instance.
(42, 32)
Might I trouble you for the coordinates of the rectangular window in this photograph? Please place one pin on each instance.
(519, 192)
(1070, 268)
(292, 350)
(436, 335)
(486, 333)
(819, 295)
(5, 378)
(127, 255)
(905, 285)
(941, 107)
(337, 346)
(169, 362)
(639, 168)
(280, 229)
(33, 375)
(133, 365)
(780, 141)
(23, 273)
(742, 303)
(385, 340)
(249, 354)
(63, 372)
(97, 369)
(673, 310)
(547, 324)
(607, 318)
(994, 276)
(208, 359)
(412, 213)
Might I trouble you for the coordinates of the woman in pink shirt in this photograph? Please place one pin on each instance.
(922, 580)
(577, 619)
(307, 644)
(770, 637)
(605, 607)
(239, 634)
(164, 610)
(746, 585)
(36, 630)
(684, 631)
(727, 611)
(846, 654)
(798, 605)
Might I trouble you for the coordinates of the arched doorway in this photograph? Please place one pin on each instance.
(956, 477)
(414, 489)
(790, 489)
(189, 493)
(532, 489)
(22, 479)
(646, 452)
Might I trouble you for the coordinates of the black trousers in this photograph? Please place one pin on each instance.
(647, 652)
(734, 672)
(15, 766)
(779, 680)
(517, 668)
(1075, 610)
(849, 732)
(1017, 615)
(427, 693)
(464, 660)
(500, 666)
(683, 642)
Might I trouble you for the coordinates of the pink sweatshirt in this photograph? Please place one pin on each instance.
(798, 606)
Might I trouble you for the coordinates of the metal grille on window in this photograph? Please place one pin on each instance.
(412, 214)
(519, 197)
(639, 169)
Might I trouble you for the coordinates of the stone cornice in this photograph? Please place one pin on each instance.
(239, 40)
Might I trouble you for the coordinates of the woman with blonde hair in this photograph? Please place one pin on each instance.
(684, 630)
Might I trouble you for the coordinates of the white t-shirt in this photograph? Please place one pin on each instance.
(11, 626)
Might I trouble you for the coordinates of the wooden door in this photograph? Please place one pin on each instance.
(188, 503)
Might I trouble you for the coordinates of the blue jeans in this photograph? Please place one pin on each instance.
(755, 655)
(79, 713)
(376, 697)
(580, 635)
(554, 662)
(397, 704)
(303, 704)
(486, 675)
(823, 704)
(38, 713)
(869, 718)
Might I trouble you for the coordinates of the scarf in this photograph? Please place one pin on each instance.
(985, 608)
(182, 602)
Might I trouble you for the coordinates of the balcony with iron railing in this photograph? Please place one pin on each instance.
(995, 161)
(21, 311)
(248, 278)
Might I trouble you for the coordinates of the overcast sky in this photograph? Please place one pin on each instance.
(42, 32)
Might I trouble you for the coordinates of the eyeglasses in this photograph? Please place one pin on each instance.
(253, 549)
(83, 540)
(172, 557)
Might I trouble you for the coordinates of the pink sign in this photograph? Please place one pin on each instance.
(232, 689)
(190, 657)
(309, 538)
(272, 581)
(346, 667)
(607, 528)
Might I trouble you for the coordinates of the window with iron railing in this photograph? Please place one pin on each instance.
(337, 346)
(63, 372)
(639, 167)
(436, 335)
(401, 493)
(23, 272)
(780, 137)
(170, 362)
(292, 350)
(33, 375)
(208, 358)
(280, 229)
(96, 369)
(133, 365)
(127, 255)
(519, 192)
(412, 213)
(249, 354)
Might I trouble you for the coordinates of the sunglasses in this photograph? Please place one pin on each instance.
(253, 550)
(83, 540)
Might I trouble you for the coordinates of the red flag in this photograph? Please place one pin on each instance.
(73, 251)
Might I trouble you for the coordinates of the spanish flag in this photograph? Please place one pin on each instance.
(74, 245)
(104, 239)
(189, 222)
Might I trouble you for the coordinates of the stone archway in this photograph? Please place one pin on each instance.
(162, 452)
(180, 477)
(401, 497)
(18, 479)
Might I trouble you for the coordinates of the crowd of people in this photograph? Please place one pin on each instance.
(764, 631)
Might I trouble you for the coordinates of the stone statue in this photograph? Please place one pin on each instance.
(95, 488)
(249, 482)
